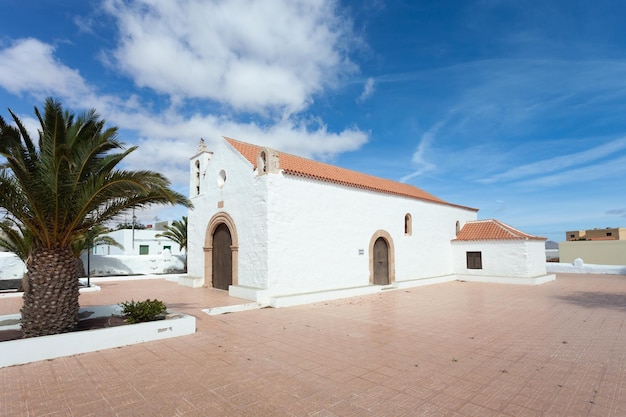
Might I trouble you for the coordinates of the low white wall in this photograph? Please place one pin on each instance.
(579, 267)
(15, 352)
(11, 267)
(102, 265)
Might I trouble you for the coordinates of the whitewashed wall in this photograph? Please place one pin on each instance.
(502, 258)
(317, 229)
(536, 258)
(108, 265)
(11, 266)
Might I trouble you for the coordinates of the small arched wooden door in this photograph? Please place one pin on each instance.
(381, 262)
(222, 258)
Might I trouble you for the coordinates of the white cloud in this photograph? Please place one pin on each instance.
(29, 65)
(606, 170)
(253, 56)
(497, 98)
(166, 138)
(420, 159)
(168, 141)
(270, 58)
(507, 115)
(560, 162)
(368, 90)
(84, 24)
(617, 212)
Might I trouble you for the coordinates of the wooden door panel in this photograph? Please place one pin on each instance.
(222, 258)
(381, 262)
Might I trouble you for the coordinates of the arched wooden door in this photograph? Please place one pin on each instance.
(381, 262)
(222, 258)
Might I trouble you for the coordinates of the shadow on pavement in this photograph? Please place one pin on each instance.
(592, 299)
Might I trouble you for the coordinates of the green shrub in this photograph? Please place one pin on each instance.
(140, 311)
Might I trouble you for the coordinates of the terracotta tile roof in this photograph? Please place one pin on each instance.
(492, 230)
(302, 167)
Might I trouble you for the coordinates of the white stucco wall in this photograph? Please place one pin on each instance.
(502, 258)
(317, 229)
(536, 257)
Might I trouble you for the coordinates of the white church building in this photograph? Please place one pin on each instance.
(280, 230)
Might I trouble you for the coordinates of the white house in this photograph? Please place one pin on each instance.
(491, 251)
(281, 229)
(137, 242)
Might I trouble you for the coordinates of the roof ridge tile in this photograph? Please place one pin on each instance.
(492, 229)
(298, 166)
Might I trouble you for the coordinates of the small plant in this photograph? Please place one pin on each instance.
(140, 311)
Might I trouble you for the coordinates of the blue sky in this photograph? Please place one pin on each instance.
(517, 108)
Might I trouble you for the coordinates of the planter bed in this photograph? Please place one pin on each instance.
(15, 352)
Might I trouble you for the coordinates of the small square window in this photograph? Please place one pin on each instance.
(474, 260)
(144, 249)
(609, 234)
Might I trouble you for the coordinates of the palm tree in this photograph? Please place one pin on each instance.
(177, 233)
(94, 237)
(59, 188)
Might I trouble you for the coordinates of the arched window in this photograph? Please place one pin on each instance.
(262, 163)
(408, 224)
(197, 177)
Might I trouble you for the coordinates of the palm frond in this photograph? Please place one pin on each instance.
(70, 182)
(15, 238)
(177, 232)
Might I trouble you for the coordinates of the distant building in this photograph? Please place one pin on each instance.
(595, 246)
(610, 233)
(138, 242)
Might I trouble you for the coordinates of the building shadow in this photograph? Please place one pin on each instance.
(596, 299)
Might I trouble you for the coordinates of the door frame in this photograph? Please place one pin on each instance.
(216, 220)
(390, 253)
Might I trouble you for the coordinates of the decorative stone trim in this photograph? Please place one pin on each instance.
(392, 258)
(220, 218)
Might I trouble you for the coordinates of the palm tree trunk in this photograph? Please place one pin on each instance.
(51, 301)
(80, 267)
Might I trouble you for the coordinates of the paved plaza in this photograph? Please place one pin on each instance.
(453, 349)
